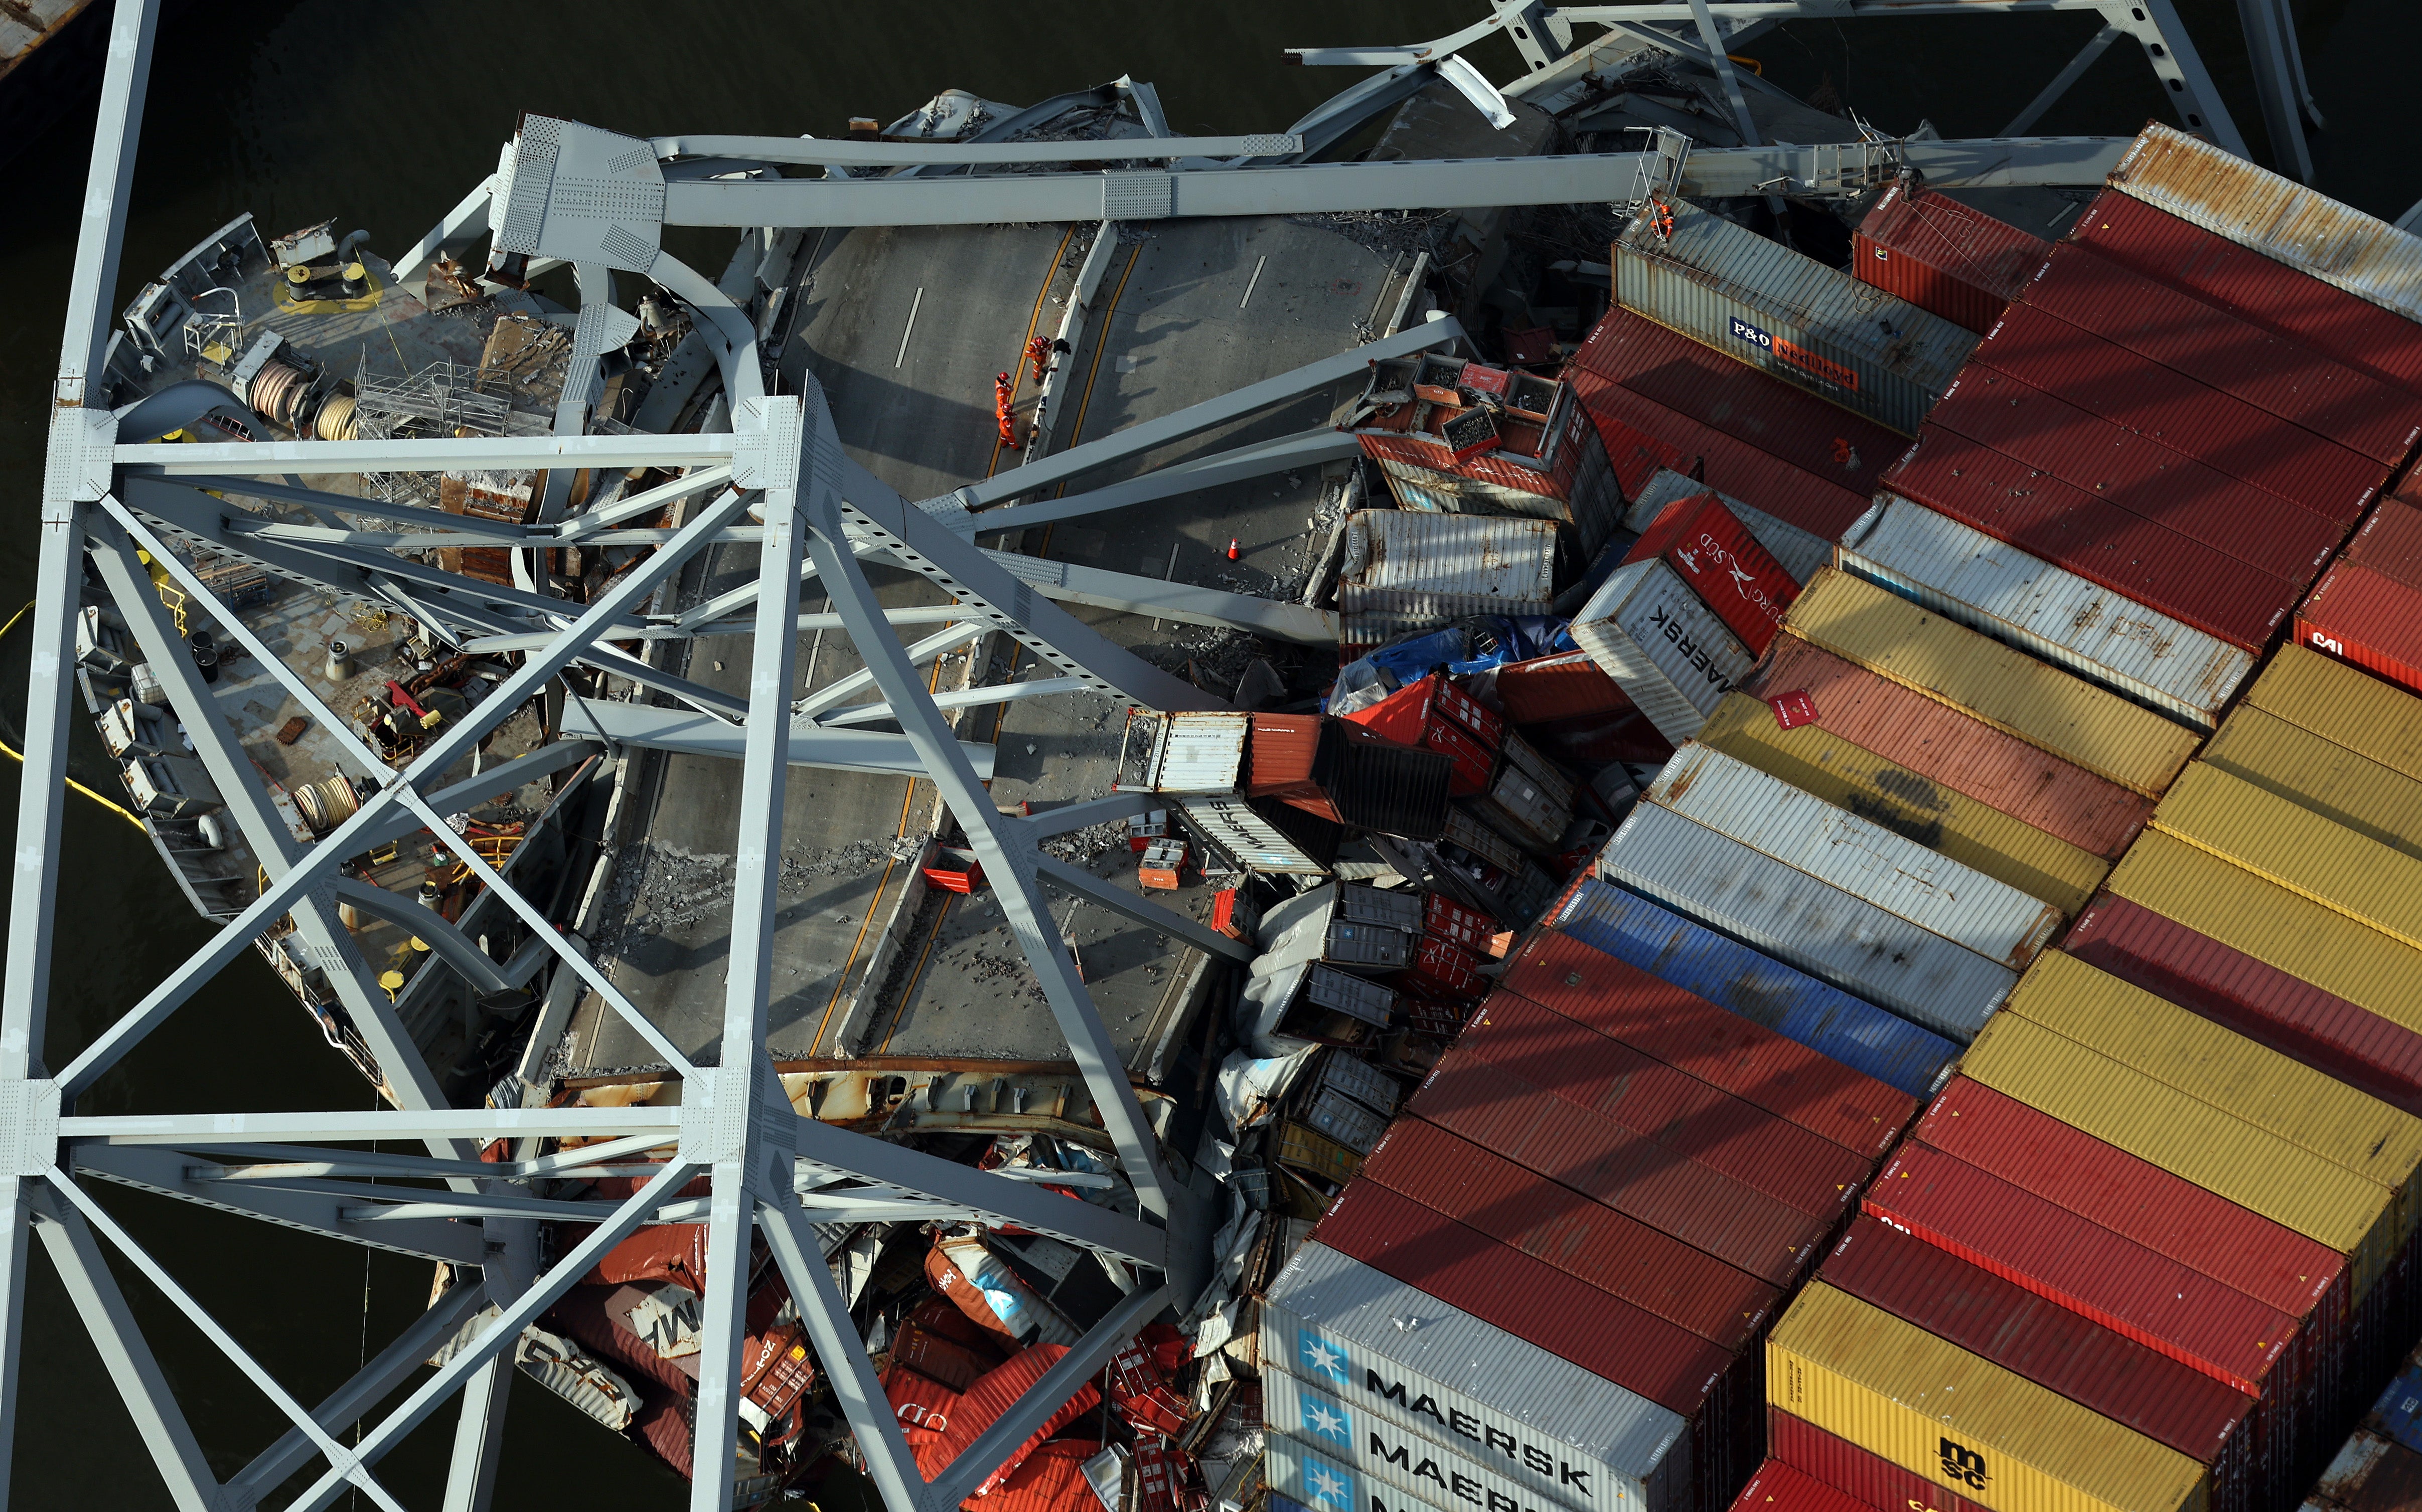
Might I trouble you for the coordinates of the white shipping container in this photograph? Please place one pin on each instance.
(1202, 753)
(1857, 856)
(1405, 562)
(1537, 1419)
(1375, 1447)
(1665, 649)
(1254, 842)
(1996, 590)
(1799, 552)
(1313, 1480)
(1811, 924)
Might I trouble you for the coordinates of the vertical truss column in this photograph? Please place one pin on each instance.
(2278, 84)
(2156, 26)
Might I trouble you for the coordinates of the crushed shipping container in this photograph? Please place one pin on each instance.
(2021, 601)
(1758, 988)
(1811, 924)
(1943, 255)
(1949, 663)
(1909, 804)
(1436, 715)
(1859, 856)
(1760, 303)
(1955, 749)
(1417, 571)
(1667, 651)
(1347, 774)
(1822, 504)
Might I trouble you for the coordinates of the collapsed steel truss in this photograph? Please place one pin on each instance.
(778, 480)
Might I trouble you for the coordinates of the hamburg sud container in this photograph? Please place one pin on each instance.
(2033, 700)
(1857, 856)
(1800, 552)
(1959, 1420)
(2005, 1323)
(1667, 651)
(2366, 618)
(2275, 216)
(1917, 807)
(1767, 306)
(1407, 570)
(1815, 926)
(1692, 1035)
(1458, 437)
(1943, 256)
(1403, 1357)
(1995, 589)
(2296, 848)
(1758, 988)
(1724, 564)
(1951, 748)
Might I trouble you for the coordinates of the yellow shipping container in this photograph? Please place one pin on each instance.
(2334, 700)
(2009, 690)
(1848, 776)
(2317, 944)
(2189, 1139)
(2315, 772)
(2273, 838)
(2309, 1108)
(1962, 1421)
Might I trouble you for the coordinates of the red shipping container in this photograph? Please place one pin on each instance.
(1942, 256)
(2093, 537)
(2084, 1266)
(1691, 379)
(1587, 1240)
(1679, 1112)
(2099, 375)
(1778, 1487)
(1815, 503)
(1602, 1160)
(1436, 715)
(1636, 455)
(1856, 1472)
(1053, 1480)
(1443, 918)
(1507, 1289)
(1441, 969)
(2274, 373)
(1719, 1046)
(2248, 284)
(1963, 754)
(2258, 1000)
(1723, 563)
(2104, 1371)
(2357, 616)
(2140, 475)
(2390, 542)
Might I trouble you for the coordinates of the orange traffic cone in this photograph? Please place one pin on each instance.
(1233, 552)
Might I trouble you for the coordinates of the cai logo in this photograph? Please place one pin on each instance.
(1962, 1467)
(1322, 1357)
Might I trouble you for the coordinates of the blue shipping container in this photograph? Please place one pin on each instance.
(1760, 989)
(2397, 1414)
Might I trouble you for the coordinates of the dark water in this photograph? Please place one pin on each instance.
(383, 117)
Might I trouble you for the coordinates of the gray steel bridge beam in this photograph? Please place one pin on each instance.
(855, 154)
(810, 745)
(163, 1171)
(1305, 448)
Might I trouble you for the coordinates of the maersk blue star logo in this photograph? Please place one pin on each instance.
(1324, 1357)
(1327, 1419)
(1329, 1487)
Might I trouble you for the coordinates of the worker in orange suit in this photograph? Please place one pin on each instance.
(1004, 390)
(1038, 357)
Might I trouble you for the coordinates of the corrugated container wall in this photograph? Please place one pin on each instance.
(1815, 926)
(1779, 1487)
(1301, 1475)
(1868, 1476)
(1948, 661)
(2299, 849)
(2362, 713)
(2275, 216)
(1998, 590)
(2369, 619)
(1761, 989)
(1372, 1446)
(1427, 569)
(2317, 774)
(1767, 306)
(1801, 552)
(2390, 542)
(1943, 255)
(1667, 652)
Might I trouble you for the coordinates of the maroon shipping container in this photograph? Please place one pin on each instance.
(1720, 1048)
(1436, 715)
(1815, 503)
(2085, 1268)
(1507, 1289)
(1724, 565)
(1585, 1239)
(1779, 418)
(2252, 997)
(2093, 537)
(1680, 1112)
(2140, 475)
(1962, 752)
(1778, 1487)
(2390, 544)
(2247, 283)
(2274, 373)
(1601, 1159)
(1941, 256)
(2096, 1368)
(2360, 616)
(1854, 1470)
(2097, 374)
